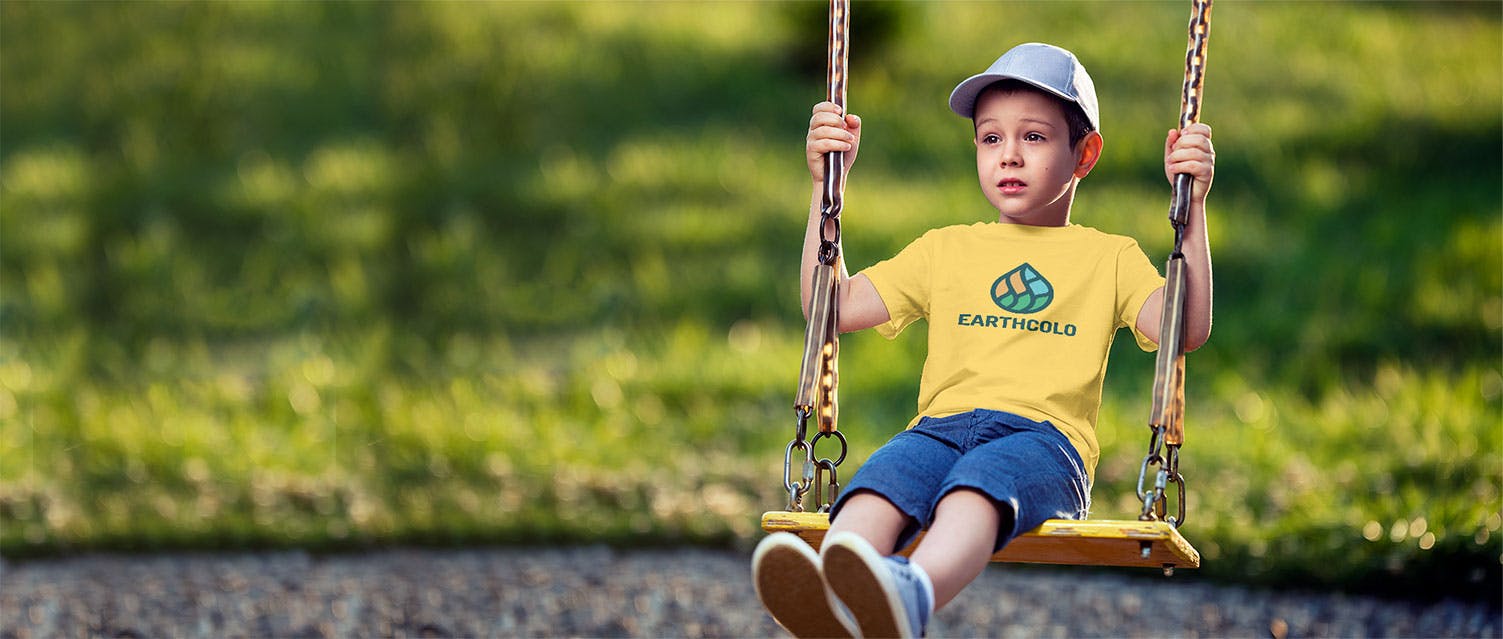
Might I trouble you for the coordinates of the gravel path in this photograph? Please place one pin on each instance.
(598, 592)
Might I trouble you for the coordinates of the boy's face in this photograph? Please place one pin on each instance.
(1024, 160)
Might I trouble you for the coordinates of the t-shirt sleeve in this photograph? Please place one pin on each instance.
(903, 283)
(1136, 280)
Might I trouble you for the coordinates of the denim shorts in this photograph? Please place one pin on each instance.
(1026, 466)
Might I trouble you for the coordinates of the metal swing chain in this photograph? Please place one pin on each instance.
(819, 376)
(833, 200)
(1167, 418)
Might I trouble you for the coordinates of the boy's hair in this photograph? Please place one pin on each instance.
(1075, 118)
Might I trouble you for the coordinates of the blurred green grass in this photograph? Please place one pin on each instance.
(344, 274)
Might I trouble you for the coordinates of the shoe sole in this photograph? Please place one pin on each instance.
(854, 571)
(785, 572)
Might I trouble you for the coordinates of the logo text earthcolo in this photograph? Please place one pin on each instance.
(1023, 291)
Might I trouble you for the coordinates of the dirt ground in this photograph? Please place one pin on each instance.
(599, 592)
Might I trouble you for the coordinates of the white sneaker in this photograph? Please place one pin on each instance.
(886, 595)
(785, 571)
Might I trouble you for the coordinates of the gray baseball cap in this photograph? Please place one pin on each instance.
(1050, 68)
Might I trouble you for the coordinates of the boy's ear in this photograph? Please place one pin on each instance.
(1088, 153)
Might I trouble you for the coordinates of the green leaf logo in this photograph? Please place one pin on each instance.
(1022, 290)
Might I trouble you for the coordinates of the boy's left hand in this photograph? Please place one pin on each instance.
(1189, 151)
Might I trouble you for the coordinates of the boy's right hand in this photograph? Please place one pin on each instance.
(828, 131)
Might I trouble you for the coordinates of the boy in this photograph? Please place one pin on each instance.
(1021, 318)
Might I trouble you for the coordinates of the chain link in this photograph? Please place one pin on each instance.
(826, 501)
(831, 204)
(1156, 499)
(812, 475)
(796, 489)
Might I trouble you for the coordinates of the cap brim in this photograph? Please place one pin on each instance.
(963, 98)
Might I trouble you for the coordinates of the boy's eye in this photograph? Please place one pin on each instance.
(990, 138)
(1034, 137)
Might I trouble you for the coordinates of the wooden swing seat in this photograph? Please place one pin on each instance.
(1091, 542)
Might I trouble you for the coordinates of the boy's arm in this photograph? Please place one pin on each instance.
(860, 305)
(1189, 151)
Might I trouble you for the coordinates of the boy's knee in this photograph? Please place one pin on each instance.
(969, 504)
(864, 502)
(968, 499)
(966, 496)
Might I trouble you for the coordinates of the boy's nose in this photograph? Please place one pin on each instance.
(1011, 157)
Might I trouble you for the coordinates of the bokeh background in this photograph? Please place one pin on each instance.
(347, 275)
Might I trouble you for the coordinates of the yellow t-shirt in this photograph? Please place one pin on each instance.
(1021, 318)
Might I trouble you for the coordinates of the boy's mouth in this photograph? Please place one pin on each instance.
(1011, 186)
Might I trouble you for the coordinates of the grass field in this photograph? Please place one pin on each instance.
(337, 275)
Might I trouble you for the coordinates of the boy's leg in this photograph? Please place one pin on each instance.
(893, 597)
(887, 595)
(883, 594)
(959, 543)
(785, 571)
(874, 518)
(886, 504)
(1002, 487)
